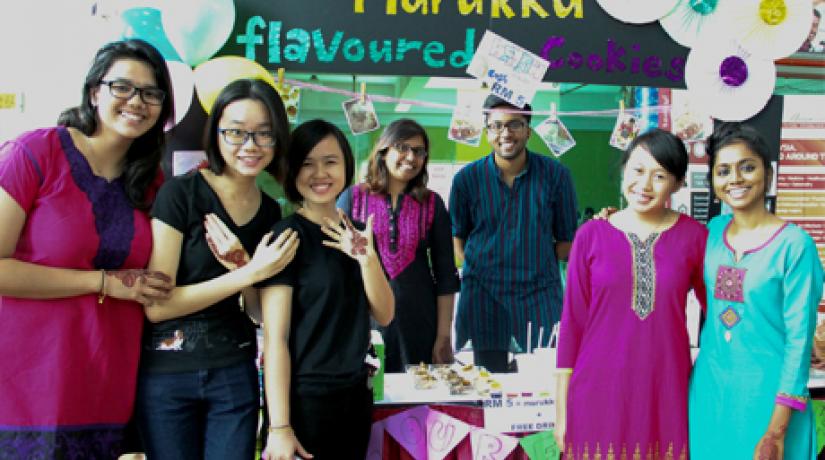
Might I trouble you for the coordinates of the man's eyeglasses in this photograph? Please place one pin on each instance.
(512, 125)
(419, 152)
(123, 89)
(234, 136)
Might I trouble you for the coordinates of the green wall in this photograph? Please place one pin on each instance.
(592, 162)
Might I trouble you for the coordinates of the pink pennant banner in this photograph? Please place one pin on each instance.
(487, 445)
(409, 429)
(443, 434)
(375, 449)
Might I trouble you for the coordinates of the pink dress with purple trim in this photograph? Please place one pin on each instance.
(69, 366)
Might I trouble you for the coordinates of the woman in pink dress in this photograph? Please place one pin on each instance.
(624, 353)
(74, 242)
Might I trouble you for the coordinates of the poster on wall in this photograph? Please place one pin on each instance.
(800, 182)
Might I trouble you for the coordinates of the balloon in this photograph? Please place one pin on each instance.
(183, 84)
(198, 28)
(144, 23)
(213, 75)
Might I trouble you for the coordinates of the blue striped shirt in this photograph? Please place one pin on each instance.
(511, 274)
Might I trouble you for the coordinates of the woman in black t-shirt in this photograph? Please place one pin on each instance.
(198, 386)
(316, 310)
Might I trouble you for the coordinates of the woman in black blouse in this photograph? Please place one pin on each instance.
(198, 387)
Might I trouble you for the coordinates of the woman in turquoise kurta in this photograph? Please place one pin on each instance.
(748, 396)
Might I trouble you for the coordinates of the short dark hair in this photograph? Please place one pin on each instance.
(257, 90)
(665, 147)
(304, 138)
(729, 133)
(143, 157)
(377, 175)
(494, 101)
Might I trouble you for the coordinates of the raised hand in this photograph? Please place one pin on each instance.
(143, 286)
(348, 239)
(225, 246)
(271, 257)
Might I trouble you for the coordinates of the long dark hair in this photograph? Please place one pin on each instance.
(257, 90)
(145, 152)
(304, 138)
(377, 179)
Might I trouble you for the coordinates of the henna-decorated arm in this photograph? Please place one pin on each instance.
(772, 444)
(33, 281)
(359, 246)
(269, 258)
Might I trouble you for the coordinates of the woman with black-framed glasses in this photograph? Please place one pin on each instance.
(198, 393)
(413, 236)
(74, 243)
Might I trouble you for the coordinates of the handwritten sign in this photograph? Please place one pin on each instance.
(522, 414)
(511, 72)
(540, 446)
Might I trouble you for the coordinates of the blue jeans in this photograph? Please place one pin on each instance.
(204, 414)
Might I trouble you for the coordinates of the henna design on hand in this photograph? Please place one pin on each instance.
(358, 241)
(129, 277)
(235, 256)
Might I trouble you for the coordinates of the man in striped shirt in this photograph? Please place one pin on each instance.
(514, 215)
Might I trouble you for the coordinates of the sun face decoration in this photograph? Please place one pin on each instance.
(637, 11)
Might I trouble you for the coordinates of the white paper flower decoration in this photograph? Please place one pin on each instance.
(768, 28)
(637, 11)
(728, 81)
(689, 20)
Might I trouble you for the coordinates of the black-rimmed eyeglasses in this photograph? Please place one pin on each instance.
(512, 125)
(419, 152)
(234, 136)
(123, 89)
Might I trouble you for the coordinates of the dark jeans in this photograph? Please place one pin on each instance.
(205, 414)
(334, 426)
(492, 360)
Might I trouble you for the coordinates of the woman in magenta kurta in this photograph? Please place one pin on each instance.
(624, 353)
(74, 240)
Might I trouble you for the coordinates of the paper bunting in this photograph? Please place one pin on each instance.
(375, 449)
(819, 420)
(689, 21)
(424, 433)
(637, 11)
(409, 428)
(728, 82)
(491, 446)
(540, 446)
(768, 28)
(443, 434)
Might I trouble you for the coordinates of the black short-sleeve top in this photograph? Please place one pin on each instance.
(329, 328)
(221, 334)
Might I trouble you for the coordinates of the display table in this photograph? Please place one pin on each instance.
(524, 406)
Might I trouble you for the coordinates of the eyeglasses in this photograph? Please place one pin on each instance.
(419, 152)
(123, 89)
(512, 125)
(234, 136)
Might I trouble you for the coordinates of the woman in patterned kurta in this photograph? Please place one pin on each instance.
(748, 393)
(412, 232)
(623, 347)
(74, 240)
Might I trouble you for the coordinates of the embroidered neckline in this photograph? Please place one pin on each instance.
(644, 274)
(113, 215)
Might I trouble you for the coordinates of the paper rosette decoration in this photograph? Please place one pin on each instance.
(637, 11)
(769, 28)
(729, 82)
(690, 20)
